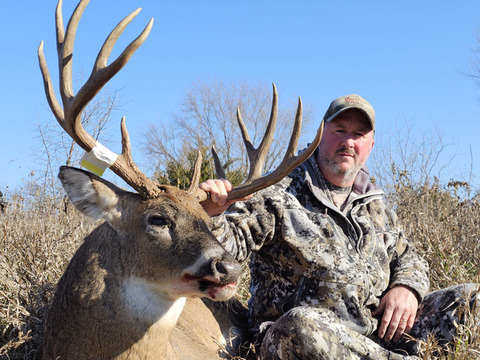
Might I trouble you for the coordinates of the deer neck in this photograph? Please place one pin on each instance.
(148, 304)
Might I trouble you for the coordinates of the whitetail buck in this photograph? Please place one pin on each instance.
(122, 295)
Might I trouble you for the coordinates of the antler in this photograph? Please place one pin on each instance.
(255, 181)
(70, 116)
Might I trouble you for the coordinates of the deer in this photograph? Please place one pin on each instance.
(140, 284)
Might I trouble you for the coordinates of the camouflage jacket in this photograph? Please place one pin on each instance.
(305, 251)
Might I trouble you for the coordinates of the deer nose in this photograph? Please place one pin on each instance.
(227, 270)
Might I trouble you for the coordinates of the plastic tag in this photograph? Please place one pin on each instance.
(98, 159)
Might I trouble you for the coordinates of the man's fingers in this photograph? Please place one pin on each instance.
(401, 322)
(214, 191)
(218, 190)
(402, 326)
(400, 307)
(410, 322)
(385, 322)
(392, 328)
(379, 309)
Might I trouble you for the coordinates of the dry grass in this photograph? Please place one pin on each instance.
(444, 222)
(38, 238)
(36, 242)
(445, 227)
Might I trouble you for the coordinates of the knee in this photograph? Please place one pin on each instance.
(300, 333)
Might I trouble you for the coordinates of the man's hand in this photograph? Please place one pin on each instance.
(217, 202)
(399, 307)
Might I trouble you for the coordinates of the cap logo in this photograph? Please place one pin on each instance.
(350, 99)
(347, 102)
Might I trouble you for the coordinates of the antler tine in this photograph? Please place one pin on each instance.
(218, 165)
(49, 92)
(102, 73)
(65, 41)
(47, 81)
(289, 162)
(70, 116)
(197, 170)
(59, 27)
(292, 145)
(257, 156)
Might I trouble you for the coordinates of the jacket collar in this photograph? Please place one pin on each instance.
(313, 178)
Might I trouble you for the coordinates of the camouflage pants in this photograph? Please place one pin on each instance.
(315, 333)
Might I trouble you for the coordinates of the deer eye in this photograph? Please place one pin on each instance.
(157, 220)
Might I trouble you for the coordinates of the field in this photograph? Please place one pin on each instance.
(38, 236)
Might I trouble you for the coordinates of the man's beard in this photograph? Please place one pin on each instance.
(334, 167)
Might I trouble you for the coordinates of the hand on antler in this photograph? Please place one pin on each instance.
(222, 194)
(218, 190)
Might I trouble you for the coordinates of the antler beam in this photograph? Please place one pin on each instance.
(255, 181)
(69, 117)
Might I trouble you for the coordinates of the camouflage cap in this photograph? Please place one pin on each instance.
(346, 102)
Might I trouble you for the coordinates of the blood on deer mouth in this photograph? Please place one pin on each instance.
(211, 287)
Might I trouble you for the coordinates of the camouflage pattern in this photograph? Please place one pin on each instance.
(314, 333)
(439, 315)
(306, 252)
(313, 264)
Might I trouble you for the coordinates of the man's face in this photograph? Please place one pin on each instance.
(345, 146)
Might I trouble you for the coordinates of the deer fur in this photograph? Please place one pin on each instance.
(126, 286)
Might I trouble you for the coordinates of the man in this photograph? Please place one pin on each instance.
(333, 276)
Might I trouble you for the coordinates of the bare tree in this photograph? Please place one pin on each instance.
(207, 117)
(403, 155)
(475, 71)
(55, 148)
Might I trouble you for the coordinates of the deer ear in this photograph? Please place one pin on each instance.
(92, 195)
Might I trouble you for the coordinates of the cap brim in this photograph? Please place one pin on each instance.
(334, 115)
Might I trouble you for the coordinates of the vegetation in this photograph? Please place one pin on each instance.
(207, 117)
(446, 230)
(38, 236)
(179, 172)
(37, 239)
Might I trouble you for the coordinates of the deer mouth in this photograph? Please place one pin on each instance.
(212, 288)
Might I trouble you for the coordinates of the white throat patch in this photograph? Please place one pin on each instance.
(148, 302)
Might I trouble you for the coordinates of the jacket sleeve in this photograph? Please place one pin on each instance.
(407, 266)
(247, 226)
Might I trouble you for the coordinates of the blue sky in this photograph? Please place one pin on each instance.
(408, 58)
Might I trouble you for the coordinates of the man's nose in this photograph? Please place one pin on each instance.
(348, 140)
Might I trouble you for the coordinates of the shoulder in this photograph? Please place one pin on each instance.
(363, 183)
(275, 196)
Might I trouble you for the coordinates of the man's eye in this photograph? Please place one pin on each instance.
(157, 220)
